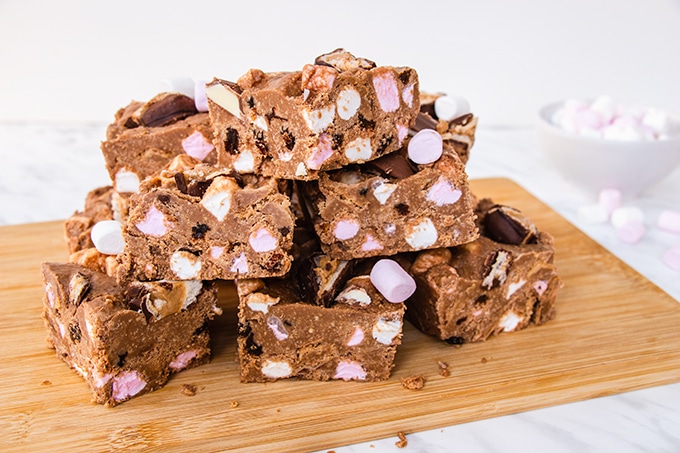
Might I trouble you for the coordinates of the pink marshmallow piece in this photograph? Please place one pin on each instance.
(127, 384)
(631, 232)
(672, 258)
(357, 337)
(669, 221)
(321, 153)
(443, 192)
(386, 90)
(153, 223)
(200, 98)
(195, 145)
(348, 370)
(392, 281)
(610, 199)
(425, 147)
(182, 360)
(346, 229)
(262, 241)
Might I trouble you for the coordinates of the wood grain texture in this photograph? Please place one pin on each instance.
(614, 332)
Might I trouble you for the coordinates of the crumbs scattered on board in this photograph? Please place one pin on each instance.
(413, 382)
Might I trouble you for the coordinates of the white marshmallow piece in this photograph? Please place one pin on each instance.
(107, 237)
(182, 85)
(392, 281)
(450, 107)
(658, 121)
(605, 106)
(669, 221)
(622, 216)
(126, 181)
(426, 147)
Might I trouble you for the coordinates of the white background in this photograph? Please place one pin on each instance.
(79, 60)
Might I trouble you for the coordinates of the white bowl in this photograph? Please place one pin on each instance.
(594, 163)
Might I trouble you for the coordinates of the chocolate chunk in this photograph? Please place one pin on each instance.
(74, 332)
(393, 165)
(338, 140)
(455, 340)
(198, 188)
(121, 359)
(383, 144)
(424, 121)
(461, 120)
(231, 142)
(342, 60)
(428, 109)
(507, 225)
(260, 141)
(181, 183)
(405, 75)
(78, 287)
(320, 278)
(365, 123)
(198, 231)
(497, 266)
(165, 109)
(402, 208)
(288, 138)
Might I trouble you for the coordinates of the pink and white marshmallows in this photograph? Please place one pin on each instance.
(607, 119)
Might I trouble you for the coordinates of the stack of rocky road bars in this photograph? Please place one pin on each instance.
(334, 197)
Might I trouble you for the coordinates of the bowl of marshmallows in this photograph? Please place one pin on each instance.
(602, 144)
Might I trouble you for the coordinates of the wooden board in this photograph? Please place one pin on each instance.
(614, 332)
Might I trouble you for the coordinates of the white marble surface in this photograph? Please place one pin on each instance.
(48, 169)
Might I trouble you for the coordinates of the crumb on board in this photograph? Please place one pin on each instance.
(46, 382)
(402, 442)
(443, 368)
(483, 360)
(188, 389)
(233, 404)
(413, 382)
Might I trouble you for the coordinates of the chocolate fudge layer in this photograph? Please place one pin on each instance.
(292, 125)
(459, 133)
(196, 221)
(144, 137)
(324, 320)
(391, 205)
(281, 335)
(125, 341)
(501, 282)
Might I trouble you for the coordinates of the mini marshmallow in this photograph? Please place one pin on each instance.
(451, 107)
(672, 258)
(610, 200)
(621, 216)
(592, 214)
(200, 98)
(182, 85)
(393, 282)
(605, 106)
(426, 147)
(658, 121)
(669, 221)
(107, 237)
(631, 232)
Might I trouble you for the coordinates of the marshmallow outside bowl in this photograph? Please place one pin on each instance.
(595, 163)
